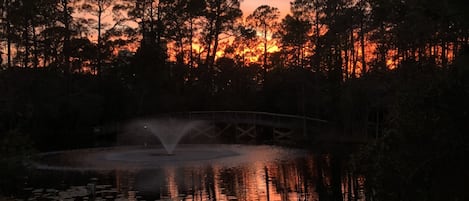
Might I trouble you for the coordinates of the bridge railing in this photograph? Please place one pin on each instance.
(250, 117)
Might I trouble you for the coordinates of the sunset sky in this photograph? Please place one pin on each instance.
(248, 6)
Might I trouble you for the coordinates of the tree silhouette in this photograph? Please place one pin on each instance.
(264, 19)
(105, 30)
(245, 41)
(219, 18)
(22, 21)
(5, 26)
(312, 11)
(294, 33)
(66, 20)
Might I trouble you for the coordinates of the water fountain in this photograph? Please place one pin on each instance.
(169, 153)
(169, 131)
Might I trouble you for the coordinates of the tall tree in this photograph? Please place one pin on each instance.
(294, 34)
(5, 25)
(176, 20)
(220, 17)
(109, 16)
(25, 20)
(217, 20)
(66, 20)
(195, 9)
(313, 12)
(264, 19)
(147, 13)
(97, 8)
(244, 44)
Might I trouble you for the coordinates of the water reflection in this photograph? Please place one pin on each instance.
(313, 177)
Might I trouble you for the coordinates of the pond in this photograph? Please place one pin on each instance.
(193, 172)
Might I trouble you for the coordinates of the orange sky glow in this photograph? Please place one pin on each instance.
(254, 53)
(248, 6)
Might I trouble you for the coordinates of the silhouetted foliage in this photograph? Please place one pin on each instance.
(420, 154)
(393, 71)
(264, 20)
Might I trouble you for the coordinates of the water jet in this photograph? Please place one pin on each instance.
(169, 131)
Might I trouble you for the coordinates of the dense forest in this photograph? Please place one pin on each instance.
(401, 66)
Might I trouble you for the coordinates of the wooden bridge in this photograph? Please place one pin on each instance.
(248, 126)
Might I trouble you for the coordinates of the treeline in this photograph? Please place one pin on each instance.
(394, 70)
(342, 39)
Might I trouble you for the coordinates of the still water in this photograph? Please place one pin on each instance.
(315, 177)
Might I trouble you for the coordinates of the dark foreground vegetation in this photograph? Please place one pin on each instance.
(395, 71)
(422, 152)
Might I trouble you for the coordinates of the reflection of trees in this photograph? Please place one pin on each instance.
(293, 181)
(309, 178)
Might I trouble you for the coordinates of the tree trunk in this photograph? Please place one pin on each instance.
(317, 62)
(143, 43)
(362, 43)
(265, 47)
(36, 51)
(302, 55)
(191, 37)
(347, 59)
(45, 53)
(444, 53)
(66, 48)
(180, 43)
(354, 59)
(209, 42)
(98, 56)
(7, 30)
(26, 46)
(151, 17)
(215, 49)
(8, 44)
(216, 38)
(159, 26)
